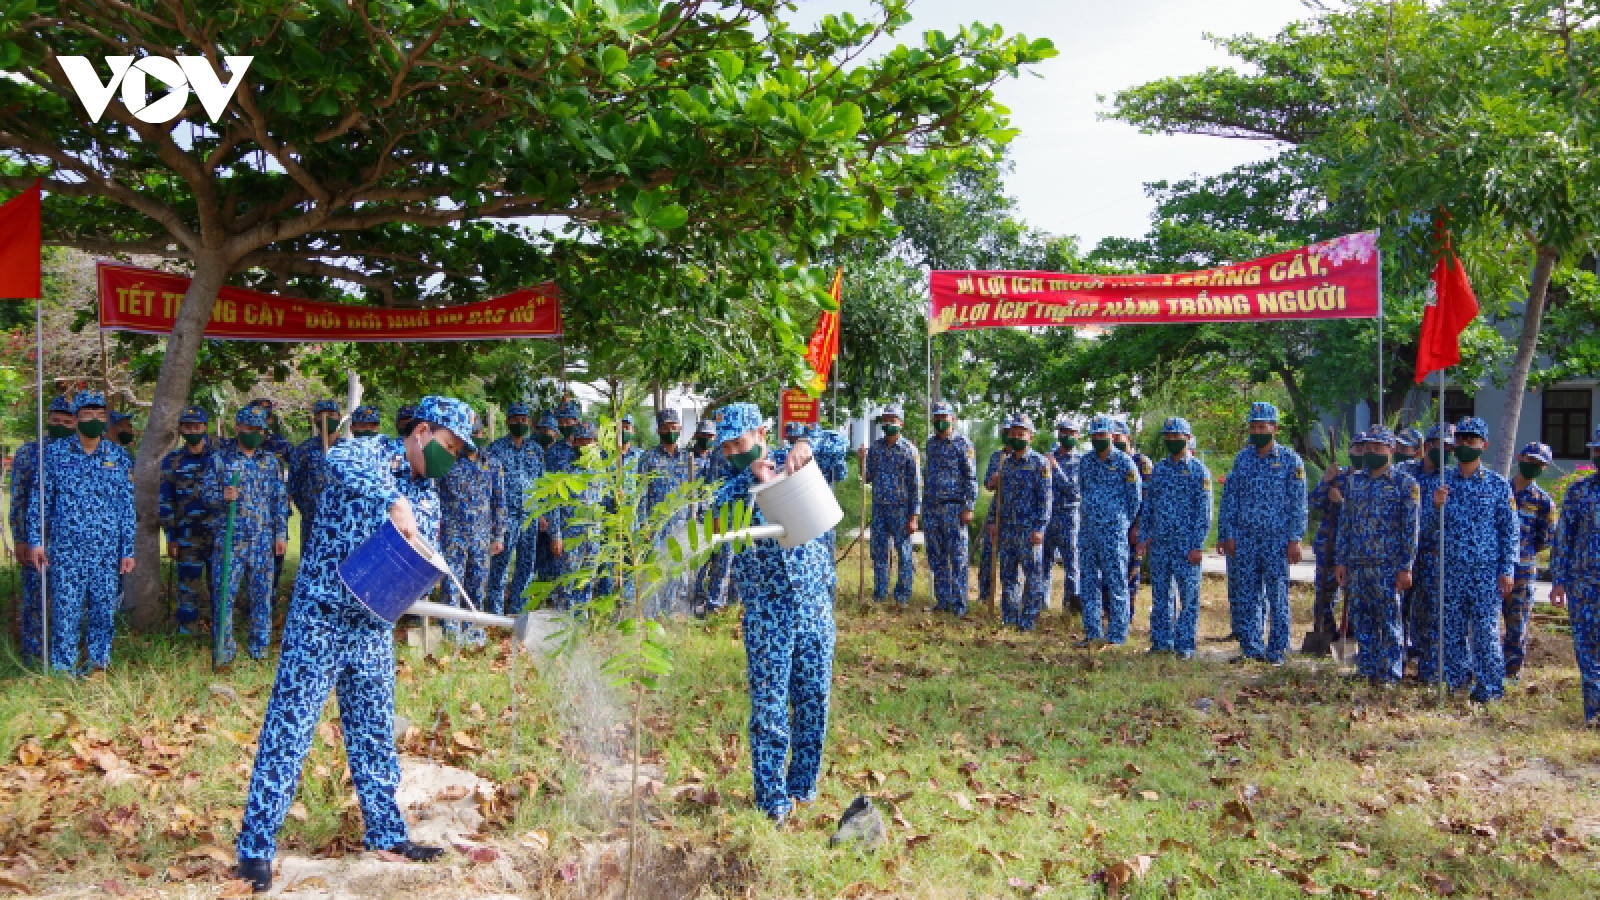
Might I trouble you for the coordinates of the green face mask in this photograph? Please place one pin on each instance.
(58, 431)
(436, 460)
(545, 438)
(1468, 454)
(124, 438)
(668, 438)
(941, 425)
(568, 430)
(1100, 445)
(1017, 444)
(251, 439)
(1530, 470)
(1120, 445)
(1355, 460)
(519, 429)
(891, 430)
(193, 439)
(1374, 461)
(364, 432)
(1440, 456)
(742, 461)
(92, 428)
(1176, 447)
(1067, 441)
(1260, 440)
(702, 443)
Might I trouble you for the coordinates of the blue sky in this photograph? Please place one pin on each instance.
(1076, 174)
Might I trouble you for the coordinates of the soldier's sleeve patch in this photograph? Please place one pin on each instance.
(1300, 473)
(1416, 493)
(1132, 476)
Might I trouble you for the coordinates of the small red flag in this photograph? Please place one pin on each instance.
(1451, 308)
(20, 246)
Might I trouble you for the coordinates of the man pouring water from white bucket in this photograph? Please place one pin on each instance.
(335, 641)
(788, 608)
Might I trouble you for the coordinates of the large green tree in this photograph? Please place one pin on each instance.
(386, 145)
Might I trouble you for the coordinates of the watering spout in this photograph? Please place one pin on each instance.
(753, 533)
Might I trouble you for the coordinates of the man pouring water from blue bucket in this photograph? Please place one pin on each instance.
(333, 640)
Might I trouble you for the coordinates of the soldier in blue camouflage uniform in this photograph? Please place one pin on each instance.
(1407, 447)
(1061, 537)
(1111, 488)
(1122, 439)
(576, 550)
(121, 430)
(893, 469)
(670, 465)
(1575, 578)
(630, 451)
(949, 490)
(88, 512)
(521, 460)
(1025, 488)
(1480, 562)
(1377, 545)
(333, 642)
(404, 419)
(364, 424)
(252, 477)
(308, 465)
(1261, 525)
(474, 509)
(788, 619)
(1174, 520)
(713, 583)
(1536, 522)
(986, 544)
(1422, 601)
(546, 566)
(59, 423)
(1327, 498)
(185, 516)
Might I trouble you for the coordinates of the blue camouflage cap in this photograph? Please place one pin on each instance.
(893, 409)
(117, 417)
(792, 430)
(1119, 426)
(1449, 433)
(1472, 425)
(667, 416)
(1101, 423)
(735, 419)
(325, 406)
(405, 412)
(1020, 420)
(1358, 438)
(943, 408)
(1409, 438)
(584, 431)
(450, 414)
(1177, 425)
(61, 404)
(254, 416)
(568, 409)
(627, 419)
(88, 400)
(518, 409)
(365, 415)
(194, 415)
(1067, 422)
(1381, 435)
(706, 426)
(548, 420)
(1538, 451)
(1262, 411)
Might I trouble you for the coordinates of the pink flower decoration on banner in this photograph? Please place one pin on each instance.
(1350, 248)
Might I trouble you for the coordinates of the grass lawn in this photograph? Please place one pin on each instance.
(1009, 764)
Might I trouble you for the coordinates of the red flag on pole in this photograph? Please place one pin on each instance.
(824, 344)
(1451, 308)
(20, 246)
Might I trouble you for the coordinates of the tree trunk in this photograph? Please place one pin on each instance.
(1304, 416)
(146, 606)
(1503, 446)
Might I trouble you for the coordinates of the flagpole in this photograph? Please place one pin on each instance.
(1378, 236)
(44, 583)
(1439, 601)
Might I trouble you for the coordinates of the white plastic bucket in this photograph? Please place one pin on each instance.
(803, 503)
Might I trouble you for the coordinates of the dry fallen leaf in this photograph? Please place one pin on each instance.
(298, 812)
(1151, 796)
(139, 869)
(236, 887)
(1439, 884)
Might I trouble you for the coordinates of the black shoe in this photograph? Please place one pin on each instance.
(1239, 660)
(778, 820)
(256, 871)
(1079, 645)
(416, 852)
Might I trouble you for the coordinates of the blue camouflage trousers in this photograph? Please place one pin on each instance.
(1375, 615)
(84, 593)
(1583, 608)
(524, 544)
(714, 586)
(1323, 609)
(1258, 591)
(1061, 541)
(1022, 581)
(31, 613)
(1103, 573)
(1516, 609)
(789, 643)
(469, 560)
(1472, 633)
(577, 556)
(1423, 620)
(946, 541)
(889, 530)
(985, 564)
(1135, 563)
(327, 646)
(253, 568)
(191, 562)
(1169, 566)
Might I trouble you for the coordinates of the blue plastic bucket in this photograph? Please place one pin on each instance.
(387, 574)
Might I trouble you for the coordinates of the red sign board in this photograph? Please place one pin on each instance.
(797, 406)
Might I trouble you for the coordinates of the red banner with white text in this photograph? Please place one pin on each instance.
(1336, 279)
(146, 301)
(798, 406)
